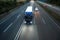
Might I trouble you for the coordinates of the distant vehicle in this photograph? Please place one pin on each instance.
(36, 9)
(28, 14)
(36, 12)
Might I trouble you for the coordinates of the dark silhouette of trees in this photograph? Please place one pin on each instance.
(56, 2)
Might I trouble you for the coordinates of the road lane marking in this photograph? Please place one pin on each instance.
(54, 22)
(8, 27)
(19, 32)
(18, 16)
(3, 21)
(43, 21)
(11, 24)
(7, 19)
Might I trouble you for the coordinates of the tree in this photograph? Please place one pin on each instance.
(56, 2)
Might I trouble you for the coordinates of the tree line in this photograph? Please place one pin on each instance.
(5, 6)
(55, 2)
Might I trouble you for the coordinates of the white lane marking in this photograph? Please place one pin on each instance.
(7, 19)
(11, 24)
(54, 22)
(43, 21)
(2, 22)
(18, 33)
(7, 27)
(18, 16)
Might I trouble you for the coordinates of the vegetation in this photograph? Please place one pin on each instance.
(8, 5)
(55, 2)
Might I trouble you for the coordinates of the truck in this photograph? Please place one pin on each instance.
(28, 14)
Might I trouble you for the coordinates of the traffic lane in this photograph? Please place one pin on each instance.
(7, 23)
(53, 27)
(45, 33)
(4, 24)
(9, 34)
(28, 32)
(46, 26)
(42, 29)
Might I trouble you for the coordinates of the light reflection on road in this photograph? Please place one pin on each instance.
(29, 32)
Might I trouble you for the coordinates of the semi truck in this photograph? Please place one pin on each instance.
(28, 14)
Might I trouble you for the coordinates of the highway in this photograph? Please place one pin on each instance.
(43, 27)
(47, 28)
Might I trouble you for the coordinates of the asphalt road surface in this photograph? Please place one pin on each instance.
(29, 32)
(43, 27)
(48, 29)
